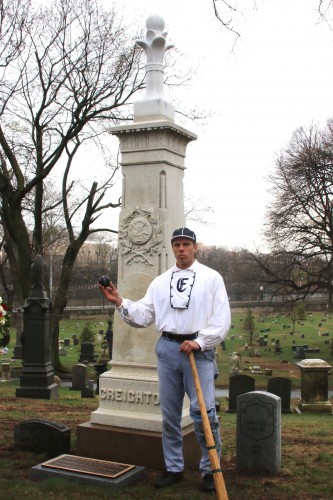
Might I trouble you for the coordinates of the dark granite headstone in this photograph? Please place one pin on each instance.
(238, 384)
(42, 436)
(87, 393)
(79, 377)
(87, 353)
(281, 386)
(299, 352)
(37, 376)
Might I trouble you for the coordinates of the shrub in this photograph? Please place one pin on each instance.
(87, 334)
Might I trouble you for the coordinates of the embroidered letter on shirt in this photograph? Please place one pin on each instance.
(181, 285)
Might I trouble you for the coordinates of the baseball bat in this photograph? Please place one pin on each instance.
(220, 488)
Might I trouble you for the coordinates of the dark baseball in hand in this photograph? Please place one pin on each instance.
(104, 281)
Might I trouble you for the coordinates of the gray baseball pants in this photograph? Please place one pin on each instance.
(175, 379)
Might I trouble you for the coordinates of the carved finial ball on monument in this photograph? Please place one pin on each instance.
(155, 23)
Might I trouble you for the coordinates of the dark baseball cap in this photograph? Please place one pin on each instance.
(184, 232)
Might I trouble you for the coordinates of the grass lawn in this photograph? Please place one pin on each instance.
(307, 439)
(307, 457)
(306, 332)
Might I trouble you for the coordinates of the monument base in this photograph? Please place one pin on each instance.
(139, 447)
(315, 406)
(50, 392)
(156, 109)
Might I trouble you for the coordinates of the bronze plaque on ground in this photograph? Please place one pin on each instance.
(91, 466)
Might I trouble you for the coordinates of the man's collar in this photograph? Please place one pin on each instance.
(192, 267)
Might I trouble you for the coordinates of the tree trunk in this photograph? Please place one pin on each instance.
(60, 302)
(17, 248)
(330, 301)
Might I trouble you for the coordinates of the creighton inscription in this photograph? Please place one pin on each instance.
(124, 396)
(259, 432)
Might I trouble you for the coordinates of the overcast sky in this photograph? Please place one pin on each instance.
(278, 77)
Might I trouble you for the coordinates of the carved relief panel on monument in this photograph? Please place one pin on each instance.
(140, 236)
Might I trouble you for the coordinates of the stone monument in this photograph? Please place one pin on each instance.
(153, 150)
(314, 386)
(234, 364)
(37, 378)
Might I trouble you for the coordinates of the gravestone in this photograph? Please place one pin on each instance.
(76, 341)
(258, 441)
(88, 392)
(281, 386)
(5, 371)
(37, 376)
(79, 377)
(238, 384)
(87, 353)
(42, 436)
(67, 342)
(314, 386)
(299, 352)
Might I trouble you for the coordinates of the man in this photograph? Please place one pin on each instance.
(190, 308)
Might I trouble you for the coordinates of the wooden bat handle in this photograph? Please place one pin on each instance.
(220, 488)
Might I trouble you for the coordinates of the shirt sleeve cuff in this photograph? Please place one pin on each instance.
(200, 343)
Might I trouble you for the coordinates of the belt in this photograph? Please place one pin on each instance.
(179, 338)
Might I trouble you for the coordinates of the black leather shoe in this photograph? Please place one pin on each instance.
(208, 482)
(168, 478)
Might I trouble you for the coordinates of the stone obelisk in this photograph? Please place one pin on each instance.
(153, 150)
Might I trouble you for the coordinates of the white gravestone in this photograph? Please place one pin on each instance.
(258, 432)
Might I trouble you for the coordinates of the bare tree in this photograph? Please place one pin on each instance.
(229, 12)
(75, 73)
(196, 210)
(249, 325)
(299, 221)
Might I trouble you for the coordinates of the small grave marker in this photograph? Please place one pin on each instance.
(258, 432)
